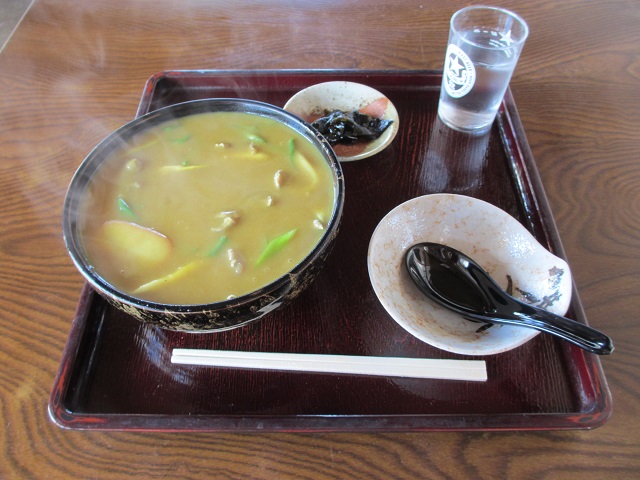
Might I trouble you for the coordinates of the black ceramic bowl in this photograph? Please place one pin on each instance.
(214, 316)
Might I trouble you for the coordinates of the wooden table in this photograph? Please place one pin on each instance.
(74, 71)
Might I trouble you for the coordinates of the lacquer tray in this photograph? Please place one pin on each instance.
(116, 372)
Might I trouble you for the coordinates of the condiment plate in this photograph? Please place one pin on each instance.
(347, 97)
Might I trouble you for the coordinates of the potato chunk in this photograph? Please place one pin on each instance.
(135, 244)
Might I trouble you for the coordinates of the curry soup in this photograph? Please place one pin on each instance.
(205, 208)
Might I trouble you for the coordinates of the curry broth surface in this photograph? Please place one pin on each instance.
(210, 191)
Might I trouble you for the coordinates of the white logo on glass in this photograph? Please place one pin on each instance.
(460, 74)
(506, 38)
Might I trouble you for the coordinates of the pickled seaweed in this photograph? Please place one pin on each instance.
(350, 127)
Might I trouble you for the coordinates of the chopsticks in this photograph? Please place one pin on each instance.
(472, 370)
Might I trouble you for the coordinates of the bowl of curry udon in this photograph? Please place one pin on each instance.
(205, 215)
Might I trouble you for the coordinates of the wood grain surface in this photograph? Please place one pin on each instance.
(74, 71)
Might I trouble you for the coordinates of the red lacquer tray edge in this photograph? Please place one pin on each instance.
(513, 134)
(588, 366)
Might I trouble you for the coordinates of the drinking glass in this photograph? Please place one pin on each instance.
(483, 49)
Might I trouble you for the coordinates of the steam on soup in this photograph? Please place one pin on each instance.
(206, 207)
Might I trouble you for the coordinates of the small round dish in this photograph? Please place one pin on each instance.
(494, 239)
(312, 103)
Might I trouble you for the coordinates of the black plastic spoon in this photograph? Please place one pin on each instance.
(455, 281)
